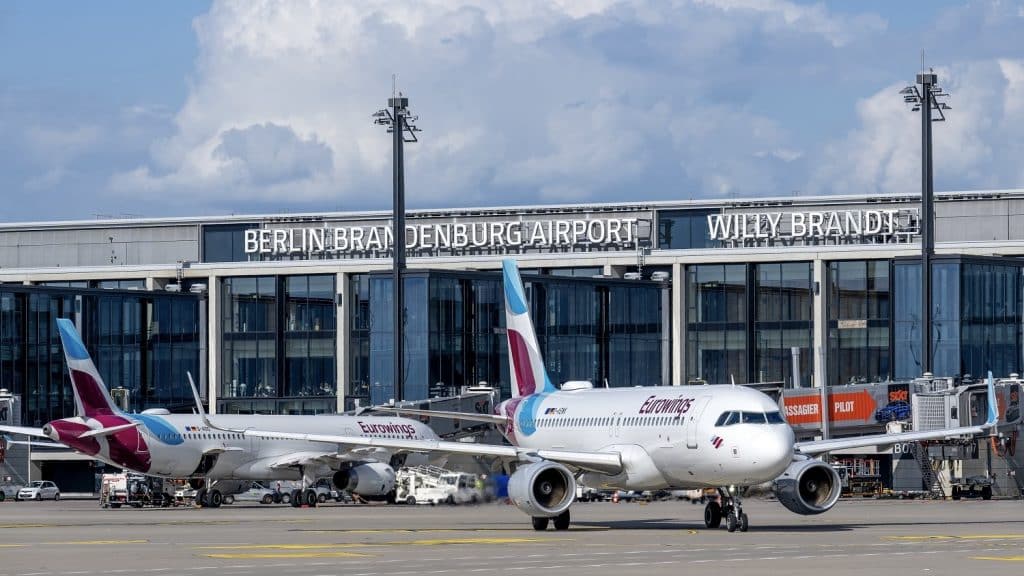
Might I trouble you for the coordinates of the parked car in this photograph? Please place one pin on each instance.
(899, 410)
(9, 490)
(39, 490)
(260, 493)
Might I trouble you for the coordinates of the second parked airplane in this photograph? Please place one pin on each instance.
(158, 443)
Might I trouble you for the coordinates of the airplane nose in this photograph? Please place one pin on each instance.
(776, 449)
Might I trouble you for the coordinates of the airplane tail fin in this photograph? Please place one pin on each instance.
(91, 395)
(525, 361)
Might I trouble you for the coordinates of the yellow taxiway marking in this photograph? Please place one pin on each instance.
(98, 542)
(13, 545)
(435, 542)
(1000, 558)
(271, 555)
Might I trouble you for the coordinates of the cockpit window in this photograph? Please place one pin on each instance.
(728, 419)
(775, 418)
(753, 418)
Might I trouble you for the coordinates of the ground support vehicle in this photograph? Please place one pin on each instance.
(434, 485)
(972, 487)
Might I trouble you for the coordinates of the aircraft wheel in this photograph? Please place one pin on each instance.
(731, 522)
(562, 521)
(215, 498)
(540, 524)
(311, 497)
(713, 514)
(744, 523)
(296, 498)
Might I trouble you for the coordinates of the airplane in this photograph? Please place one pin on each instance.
(158, 443)
(724, 437)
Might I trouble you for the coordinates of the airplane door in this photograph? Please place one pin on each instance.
(693, 420)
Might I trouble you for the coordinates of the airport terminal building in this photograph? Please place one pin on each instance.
(293, 313)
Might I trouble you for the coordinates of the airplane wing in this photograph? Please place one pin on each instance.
(471, 416)
(603, 462)
(816, 447)
(24, 430)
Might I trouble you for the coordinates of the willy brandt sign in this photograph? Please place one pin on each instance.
(445, 235)
(808, 225)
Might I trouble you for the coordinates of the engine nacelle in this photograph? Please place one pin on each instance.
(370, 479)
(808, 487)
(542, 489)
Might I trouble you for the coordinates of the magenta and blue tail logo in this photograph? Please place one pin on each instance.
(526, 363)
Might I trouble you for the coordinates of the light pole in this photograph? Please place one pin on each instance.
(926, 100)
(399, 121)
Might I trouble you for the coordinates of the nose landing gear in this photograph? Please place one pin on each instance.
(731, 508)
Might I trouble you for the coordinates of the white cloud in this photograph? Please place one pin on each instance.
(978, 146)
(520, 101)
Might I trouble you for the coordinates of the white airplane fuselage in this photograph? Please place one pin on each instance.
(174, 445)
(669, 437)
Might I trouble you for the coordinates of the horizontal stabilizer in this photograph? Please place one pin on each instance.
(24, 430)
(110, 430)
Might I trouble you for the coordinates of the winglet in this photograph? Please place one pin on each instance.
(993, 412)
(202, 413)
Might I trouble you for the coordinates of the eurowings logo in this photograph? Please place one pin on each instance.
(716, 441)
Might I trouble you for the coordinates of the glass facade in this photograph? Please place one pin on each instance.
(225, 242)
(785, 320)
(592, 329)
(682, 229)
(716, 323)
(278, 344)
(976, 317)
(859, 312)
(143, 342)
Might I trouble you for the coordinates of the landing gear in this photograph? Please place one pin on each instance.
(731, 508)
(214, 499)
(296, 498)
(713, 514)
(540, 524)
(562, 521)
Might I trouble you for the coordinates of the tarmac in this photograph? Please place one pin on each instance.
(862, 537)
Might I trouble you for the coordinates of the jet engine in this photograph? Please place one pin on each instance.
(808, 487)
(370, 479)
(542, 489)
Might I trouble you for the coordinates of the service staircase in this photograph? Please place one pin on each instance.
(929, 477)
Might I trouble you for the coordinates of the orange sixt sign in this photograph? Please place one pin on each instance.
(849, 407)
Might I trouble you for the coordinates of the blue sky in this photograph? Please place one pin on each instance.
(194, 108)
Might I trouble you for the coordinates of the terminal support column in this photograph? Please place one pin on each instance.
(819, 347)
(678, 320)
(341, 337)
(213, 331)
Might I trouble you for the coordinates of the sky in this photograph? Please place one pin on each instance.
(118, 108)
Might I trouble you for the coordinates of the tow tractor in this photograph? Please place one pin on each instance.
(135, 490)
(435, 485)
(972, 487)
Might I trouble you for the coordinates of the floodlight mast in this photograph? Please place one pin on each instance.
(399, 122)
(925, 101)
